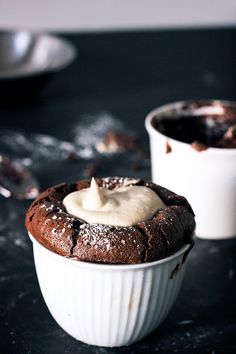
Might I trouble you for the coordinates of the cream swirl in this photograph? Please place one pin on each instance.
(122, 206)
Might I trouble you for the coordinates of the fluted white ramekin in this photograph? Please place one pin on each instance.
(108, 305)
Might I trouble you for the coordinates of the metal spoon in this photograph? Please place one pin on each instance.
(16, 181)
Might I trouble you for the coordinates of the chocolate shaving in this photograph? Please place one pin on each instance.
(196, 145)
(114, 142)
(168, 148)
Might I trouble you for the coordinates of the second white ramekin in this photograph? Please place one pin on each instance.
(108, 305)
(207, 178)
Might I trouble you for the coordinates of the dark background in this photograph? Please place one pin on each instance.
(125, 75)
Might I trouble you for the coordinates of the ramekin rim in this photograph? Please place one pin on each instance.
(114, 267)
(154, 132)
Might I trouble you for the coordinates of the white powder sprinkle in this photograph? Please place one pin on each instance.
(49, 208)
(91, 131)
(184, 322)
(20, 242)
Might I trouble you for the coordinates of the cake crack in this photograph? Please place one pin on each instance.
(74, 236)
(144, 253)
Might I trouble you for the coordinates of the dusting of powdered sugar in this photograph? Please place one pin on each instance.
(35, 149)
(106, 236)
(12, 232)
(91, 130)
(95, 235)
(116, 182)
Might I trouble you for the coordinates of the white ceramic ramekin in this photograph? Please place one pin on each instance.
(108, 305)
(207, 178)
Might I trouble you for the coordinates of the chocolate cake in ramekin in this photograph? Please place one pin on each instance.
(109, 285)
(149, 240)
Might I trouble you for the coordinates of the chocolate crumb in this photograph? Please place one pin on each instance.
(196, 145)
(230, 133)
(168, 148)
(229, 138)
(114, 142)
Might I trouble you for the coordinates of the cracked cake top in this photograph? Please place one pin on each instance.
(158, 236)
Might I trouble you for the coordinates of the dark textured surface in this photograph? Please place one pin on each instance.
(125, 75)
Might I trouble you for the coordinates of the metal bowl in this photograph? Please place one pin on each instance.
(28, 58)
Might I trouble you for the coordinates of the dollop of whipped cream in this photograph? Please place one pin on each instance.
(122, 206)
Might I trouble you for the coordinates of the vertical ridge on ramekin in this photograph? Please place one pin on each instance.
(168, 292)
(144, 327)
(106, 293)
(142, 304)
(83, 301)
(136, 301)
(117, 311)
(127, 296)
(128, 304)
(161, 291)
(97, 286)
(155, 295)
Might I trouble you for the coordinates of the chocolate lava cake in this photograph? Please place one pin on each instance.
(166, 232)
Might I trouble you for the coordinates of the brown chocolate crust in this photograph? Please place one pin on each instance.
(166, 232)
